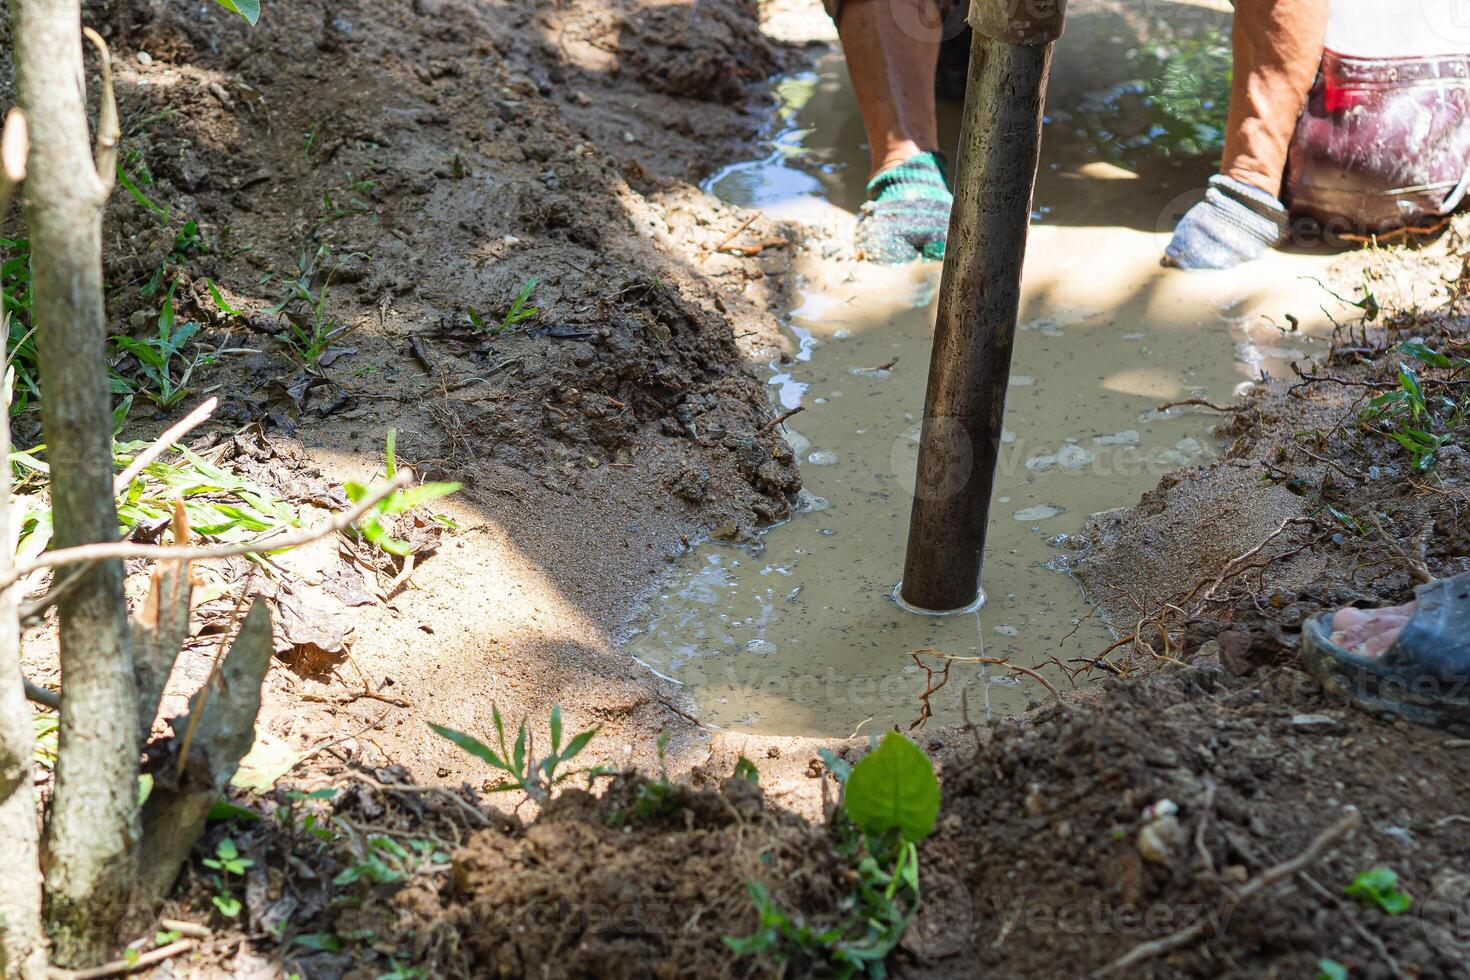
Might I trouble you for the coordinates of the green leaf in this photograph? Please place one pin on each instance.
(555, 728)
(893, 788)
(499, 726)
(745, 769)
(1331, 970)
(249, 9)
(835, 764)
(411, 497)
(577, 744)
(136, 194)
(472, 745)
(518, 753)
(323, 942)
(219, 300)
(224, 810)
(1422, 352)
(1379, 886)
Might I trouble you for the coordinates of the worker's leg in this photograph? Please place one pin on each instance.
(1277, 49)
(892, 47)
(893, 75)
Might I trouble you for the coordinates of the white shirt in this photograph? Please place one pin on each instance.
(1396, 28)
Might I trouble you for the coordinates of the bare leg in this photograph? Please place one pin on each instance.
(891, 57)
(1277, 48)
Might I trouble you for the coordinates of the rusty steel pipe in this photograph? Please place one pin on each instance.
(979, 299)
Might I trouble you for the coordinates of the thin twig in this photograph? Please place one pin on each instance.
(117, 968)
(1311, 379)
(1202, 402)
(478, 816)
(60, 586)
(1418, 571)
(736, 233)
(358, 696)
(109, 550)
(1207, 807)
(164, 443)
(684, 714)
(1231, 566)
(779, 419)
(186, 928)
(926, 710)
(109, 133)
(993, 661)
(1322, 843)
(1368, 937)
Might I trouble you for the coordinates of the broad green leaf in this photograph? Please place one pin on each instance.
(224, 810)
(249, 9)
(893, 788)
(1422, 352)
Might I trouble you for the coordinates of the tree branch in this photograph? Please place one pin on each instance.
(15, 146)
(125, 550)
(164, 443)
(109, 132)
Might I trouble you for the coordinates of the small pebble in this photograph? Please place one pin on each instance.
(1315, 724)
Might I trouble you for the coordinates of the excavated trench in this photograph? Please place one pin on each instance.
(799, 635)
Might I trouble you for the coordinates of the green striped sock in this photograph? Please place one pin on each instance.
(907, 214)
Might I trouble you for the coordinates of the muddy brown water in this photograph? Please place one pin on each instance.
(800, 635)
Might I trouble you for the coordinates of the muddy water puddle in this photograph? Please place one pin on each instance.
(800, 635)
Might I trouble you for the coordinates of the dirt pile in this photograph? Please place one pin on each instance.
(1102, 827)
(1342, 485)
(628, 897)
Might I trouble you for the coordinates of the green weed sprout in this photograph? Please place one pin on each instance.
(535, 777)
(1379, 887)
(400, 502)
(167, 383)
(1421, 422)
(227, 861)
(890, 802)
(520, 308)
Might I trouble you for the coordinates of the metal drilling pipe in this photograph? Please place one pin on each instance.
(979, 299)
